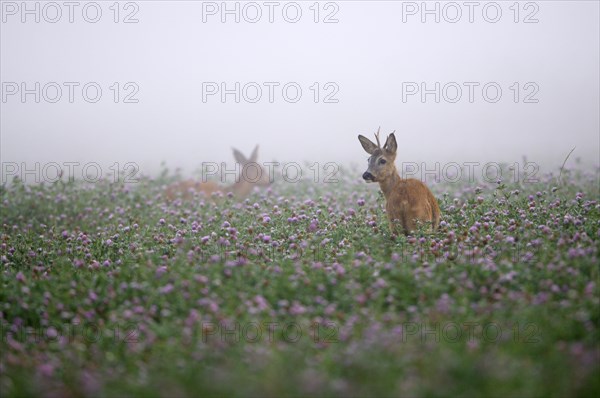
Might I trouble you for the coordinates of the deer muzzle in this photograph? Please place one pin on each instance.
(368, 177)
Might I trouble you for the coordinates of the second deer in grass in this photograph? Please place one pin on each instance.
(407, 200)
(241, 188)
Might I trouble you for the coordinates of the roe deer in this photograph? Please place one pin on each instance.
(251, 174)
(406, 200)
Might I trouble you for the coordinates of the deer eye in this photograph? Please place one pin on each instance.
(382, 161)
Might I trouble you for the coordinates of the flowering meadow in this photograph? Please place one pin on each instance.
(108, 289)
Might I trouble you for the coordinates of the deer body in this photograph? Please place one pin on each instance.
(240, 189)
(407, 201)
(186, 189)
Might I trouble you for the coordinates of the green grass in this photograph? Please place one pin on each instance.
(108, 290)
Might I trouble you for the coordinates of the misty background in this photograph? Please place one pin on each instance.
(176, 48)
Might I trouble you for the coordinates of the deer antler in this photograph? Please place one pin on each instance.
(377, 137)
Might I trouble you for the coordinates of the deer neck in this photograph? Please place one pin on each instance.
(240, 189)
(388, 184)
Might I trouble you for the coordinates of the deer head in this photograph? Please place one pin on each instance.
(381, 162)
(251, 174)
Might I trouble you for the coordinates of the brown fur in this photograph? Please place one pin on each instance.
(240, 189)
(407, 200)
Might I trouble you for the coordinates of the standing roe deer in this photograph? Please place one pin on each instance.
(241, 188)
(406, 200)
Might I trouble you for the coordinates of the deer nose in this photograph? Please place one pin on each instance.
(368, 176)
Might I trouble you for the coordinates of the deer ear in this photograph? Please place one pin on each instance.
(390, 144)
(254, 156)
(367, 144)
(239, 157)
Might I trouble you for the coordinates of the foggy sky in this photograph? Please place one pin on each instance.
(368, 54)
